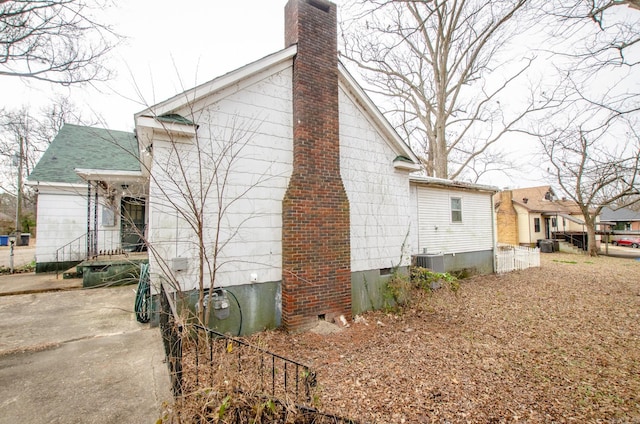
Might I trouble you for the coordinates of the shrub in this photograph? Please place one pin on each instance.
(427, 280)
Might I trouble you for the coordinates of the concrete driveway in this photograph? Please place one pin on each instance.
(619, 251)
(22, 255)
(79, 357)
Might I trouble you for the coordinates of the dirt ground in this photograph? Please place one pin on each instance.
(559, 343)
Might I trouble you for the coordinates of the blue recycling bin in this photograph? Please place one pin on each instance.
(4, 240)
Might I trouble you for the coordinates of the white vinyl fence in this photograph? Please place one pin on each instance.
(510, 258)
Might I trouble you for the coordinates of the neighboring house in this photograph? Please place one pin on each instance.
(526, 215)
(622, 219)
(307, 200)
(85, 180)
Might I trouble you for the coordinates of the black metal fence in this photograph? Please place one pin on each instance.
(201, 358)
(172, 329)
(204, 360)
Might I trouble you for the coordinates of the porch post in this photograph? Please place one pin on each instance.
(88, 218)
(95, 222)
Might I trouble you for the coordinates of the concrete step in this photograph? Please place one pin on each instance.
(567, 247)
(72, 273)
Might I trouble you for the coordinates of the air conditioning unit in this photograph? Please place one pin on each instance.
(435, 262)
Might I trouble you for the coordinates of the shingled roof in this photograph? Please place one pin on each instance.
(538, 199)
(77, 146)
(622, 215)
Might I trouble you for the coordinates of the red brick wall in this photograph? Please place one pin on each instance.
(316, 276)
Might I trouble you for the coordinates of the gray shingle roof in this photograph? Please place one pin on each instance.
(76, 146)
(622, 214)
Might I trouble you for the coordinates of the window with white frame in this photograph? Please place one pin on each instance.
(456, 209)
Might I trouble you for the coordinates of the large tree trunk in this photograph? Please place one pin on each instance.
(590, 223)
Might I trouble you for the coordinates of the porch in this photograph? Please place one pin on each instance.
(108, 270)
(102, 258)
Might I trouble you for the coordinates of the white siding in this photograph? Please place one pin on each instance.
(62, 218)
(378, 194)
(525, 225)
(436, 231)
(258, 117)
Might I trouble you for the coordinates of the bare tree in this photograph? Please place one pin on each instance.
(196, 182)
(34, 129)
(56, 41)
(596, 48)
(589, 139)
(24, 136)
(434, 60)
(591, 167)
(615, 25)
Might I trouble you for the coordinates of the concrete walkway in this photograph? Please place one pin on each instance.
(78, 356)
(35, 283)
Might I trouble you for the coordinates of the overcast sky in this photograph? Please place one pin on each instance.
(170, 46)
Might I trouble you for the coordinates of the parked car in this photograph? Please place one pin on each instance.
(627, 242)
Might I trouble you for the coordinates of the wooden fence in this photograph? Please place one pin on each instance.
(510, 258)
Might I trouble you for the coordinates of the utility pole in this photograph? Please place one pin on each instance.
(19, 196)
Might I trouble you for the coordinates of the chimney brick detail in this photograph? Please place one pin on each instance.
(507, 219)
(316, 253)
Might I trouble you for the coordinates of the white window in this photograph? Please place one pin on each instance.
(456, 209)
(108, 217)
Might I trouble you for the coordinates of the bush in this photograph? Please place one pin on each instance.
(427, 280)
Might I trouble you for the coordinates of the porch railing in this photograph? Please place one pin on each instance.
(577, 238)
(101, 242)
(93, 243)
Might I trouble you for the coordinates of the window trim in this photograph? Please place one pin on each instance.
(452, 210)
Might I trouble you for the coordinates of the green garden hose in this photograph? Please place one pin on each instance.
(143, 296)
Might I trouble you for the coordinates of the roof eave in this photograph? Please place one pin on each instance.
(174, 128)
(441, 182)
(109, 175)
(218, 83)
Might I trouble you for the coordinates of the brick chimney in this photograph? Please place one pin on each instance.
(316, 255)
(507, 219)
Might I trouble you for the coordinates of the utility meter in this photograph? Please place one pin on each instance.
(220, 302)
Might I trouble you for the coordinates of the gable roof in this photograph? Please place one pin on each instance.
(619, 215)
(280, 60)
(538, 199)
(169, 106)
(77, 146)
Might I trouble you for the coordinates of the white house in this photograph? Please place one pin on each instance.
(87, 180)
(282, 185)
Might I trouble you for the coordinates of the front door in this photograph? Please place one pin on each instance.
(132, 224)
(547, 227)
